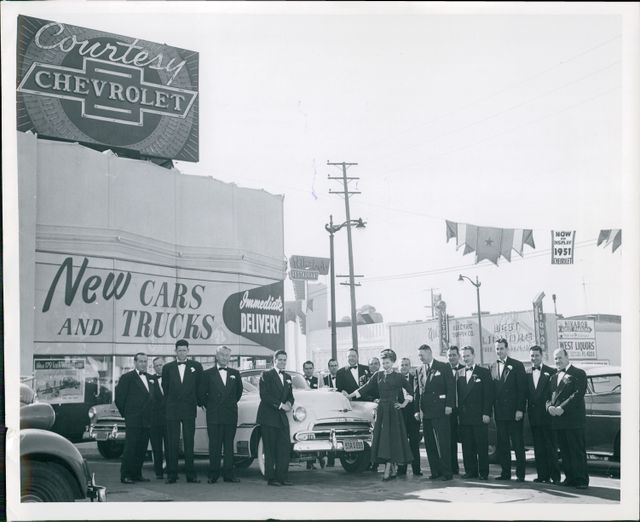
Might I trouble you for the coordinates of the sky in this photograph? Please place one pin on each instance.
(504, 120)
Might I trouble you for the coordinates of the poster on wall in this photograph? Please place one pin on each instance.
(59, 381)
(111, 91)
(578, 338)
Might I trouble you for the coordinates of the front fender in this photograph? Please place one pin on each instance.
(49, 446)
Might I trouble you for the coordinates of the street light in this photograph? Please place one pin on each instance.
(332, 229)
(477, 285)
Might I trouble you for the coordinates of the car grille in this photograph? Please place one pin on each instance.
(323, 430)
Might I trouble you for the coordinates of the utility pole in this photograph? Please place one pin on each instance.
(352, 284)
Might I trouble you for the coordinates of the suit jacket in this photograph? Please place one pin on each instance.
(344, 379)
(435, 390)
(272, 394)
(475, 398)
(510, 390)
(327, 381)
(409, 410)
(574, 385)
(312, 382)
(220, 400)
(537, 396)
(181, 397)
(133, 400)
(158, 402)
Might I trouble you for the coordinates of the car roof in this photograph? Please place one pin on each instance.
(595, 371)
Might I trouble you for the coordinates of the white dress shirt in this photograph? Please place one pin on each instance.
(501, 364)
(223, 374)
(181, 369)
(536, 377)
(143, 378)
(356, 376)
(468, 372)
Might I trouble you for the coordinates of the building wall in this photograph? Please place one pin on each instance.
(132, 217)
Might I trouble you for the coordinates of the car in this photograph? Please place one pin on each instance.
(51, 468)
(602, 405)
(323, 422)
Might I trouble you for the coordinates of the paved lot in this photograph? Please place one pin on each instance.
(335, 485)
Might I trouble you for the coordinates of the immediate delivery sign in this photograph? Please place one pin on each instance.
(99, 88)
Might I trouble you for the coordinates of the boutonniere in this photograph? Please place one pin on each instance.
(566, 377)
(192, 369)
(509, 366)
(437, 374)
(478, 380)
(232, 376)
(288, 381)
(546, 373)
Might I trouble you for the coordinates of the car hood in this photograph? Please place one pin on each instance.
(327, 403)
(106, 412)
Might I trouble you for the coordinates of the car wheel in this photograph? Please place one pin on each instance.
(46, 482)
(110, 449)
(261, 457)
(243, 463)
(356, 462)
(493, 454)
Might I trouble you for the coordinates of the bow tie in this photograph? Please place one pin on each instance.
(353, 367)
(469, 370)
(500, 362)
(281, 372)
(183, 363)
(536, 368)
(222, 368)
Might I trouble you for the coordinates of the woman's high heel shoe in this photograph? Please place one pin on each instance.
(387, 474)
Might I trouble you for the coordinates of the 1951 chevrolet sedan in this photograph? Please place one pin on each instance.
(323, 422)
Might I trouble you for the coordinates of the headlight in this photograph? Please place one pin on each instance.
(299, 414)
(92, 413)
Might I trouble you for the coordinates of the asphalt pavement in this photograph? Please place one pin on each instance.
(336, 485)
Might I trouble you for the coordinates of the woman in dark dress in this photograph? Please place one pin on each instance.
(390, 443)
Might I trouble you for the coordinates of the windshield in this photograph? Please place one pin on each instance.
(251, 379)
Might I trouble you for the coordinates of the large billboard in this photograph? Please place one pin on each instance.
(107, 90)
(578, 338)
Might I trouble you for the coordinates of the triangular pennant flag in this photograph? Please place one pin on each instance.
(462, 234)
(527, 238)
(471, 238)
(609, 240)
(467, 250)
(507, 243)
(617, 240)
(310, 305)
(488, 245)
(517, 240)
(452, 230)
(603, 236)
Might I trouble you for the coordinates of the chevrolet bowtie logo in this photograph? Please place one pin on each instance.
(108, 91)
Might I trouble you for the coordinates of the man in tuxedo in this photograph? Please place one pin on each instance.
(220, 391)
(510, 384)
(330, 380)
(276, 399)
(351, 377)
(133, 400)
(410, 422)
(374, 365)
(566, 406)
(434, 400)
(180, 383)
(453, 356)
(312, 381)
(475, 400)
(158, 417)
(544, 447)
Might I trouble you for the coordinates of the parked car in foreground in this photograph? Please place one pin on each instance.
(51, 468)
(602, 404)
(323, 422)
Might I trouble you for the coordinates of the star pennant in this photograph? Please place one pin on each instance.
(489, 242)
(611, 237)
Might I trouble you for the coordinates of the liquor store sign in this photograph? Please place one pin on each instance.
(103, 89)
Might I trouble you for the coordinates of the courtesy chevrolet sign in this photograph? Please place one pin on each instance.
(107, 90)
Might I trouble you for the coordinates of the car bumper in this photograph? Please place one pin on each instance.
(94, 492)
(104, 433)
(334, 441)
(310, 446)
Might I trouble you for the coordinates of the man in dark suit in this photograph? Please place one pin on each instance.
(411, 424)
(133, 400)
(453, 356)
(352, 376)
(475, 400)
(538, 391)
(158, 417)
(220, 391)
(566, 407)
(180, 383)
(276, 399)
(330, 380)
(312, 381)
(434, 400)
(510, 385)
